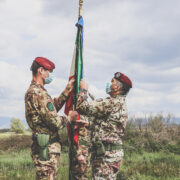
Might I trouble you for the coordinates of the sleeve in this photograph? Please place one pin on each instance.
(60, 101)
(46, 109)
(97, 108)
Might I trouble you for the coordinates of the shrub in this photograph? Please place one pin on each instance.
(15, 142)
(156, 123)
(17, 126)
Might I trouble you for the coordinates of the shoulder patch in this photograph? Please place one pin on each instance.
(99, 100)
(50, 106)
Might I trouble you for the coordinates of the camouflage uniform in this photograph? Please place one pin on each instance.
(81, 155)
(107, 128)
(42, 118)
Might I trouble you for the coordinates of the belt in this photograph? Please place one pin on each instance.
(85, 143)
(111, 147)
(34, 138)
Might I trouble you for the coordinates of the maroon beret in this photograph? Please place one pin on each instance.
(123, 78)
(46, 63)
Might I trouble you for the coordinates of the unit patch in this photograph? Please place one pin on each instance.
(50, 106)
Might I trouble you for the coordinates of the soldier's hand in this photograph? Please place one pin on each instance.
(83, 85)
(81, 159)
(80, 123)
(72, 116)
(69, 87)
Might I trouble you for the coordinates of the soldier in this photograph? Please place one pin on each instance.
(107, 128)
(42, 118)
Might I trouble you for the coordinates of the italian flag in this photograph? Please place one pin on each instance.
(76, 72)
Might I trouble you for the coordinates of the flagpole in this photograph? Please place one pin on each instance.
(71, 149)
(80, 7)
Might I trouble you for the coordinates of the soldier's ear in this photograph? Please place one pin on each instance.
(119, 85)
(40, 70)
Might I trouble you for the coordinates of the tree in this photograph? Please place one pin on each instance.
(17, 125)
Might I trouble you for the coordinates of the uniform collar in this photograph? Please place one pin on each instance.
(118, 96)
(37, 85)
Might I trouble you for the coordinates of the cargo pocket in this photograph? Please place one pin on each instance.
(43, 142)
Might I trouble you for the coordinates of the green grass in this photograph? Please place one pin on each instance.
(149, 166)
(9, 134)
(16, 165)
(19, 166)
(148, 155)
(144, 166)
(5, 135)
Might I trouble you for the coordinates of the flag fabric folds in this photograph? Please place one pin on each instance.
(76, 72)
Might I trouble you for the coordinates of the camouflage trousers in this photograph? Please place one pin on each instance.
(80, 163)
(107, 166)
(45, 170)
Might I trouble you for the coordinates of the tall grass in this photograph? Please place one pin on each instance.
(144, 166)
(158, 165)
(152, 152)
(16, 165)
(19, 166)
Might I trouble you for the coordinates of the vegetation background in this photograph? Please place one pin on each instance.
(151, 145)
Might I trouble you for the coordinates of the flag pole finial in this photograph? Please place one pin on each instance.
(80, 7)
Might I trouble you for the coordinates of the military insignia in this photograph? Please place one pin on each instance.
(99, 100)
(118, 75)
(50, 106)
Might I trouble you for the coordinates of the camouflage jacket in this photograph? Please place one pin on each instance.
(41, 111)
(110, 116)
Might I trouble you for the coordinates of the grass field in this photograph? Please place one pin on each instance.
(19, 166)
(9, 134)
(152, 152)
(144, 166)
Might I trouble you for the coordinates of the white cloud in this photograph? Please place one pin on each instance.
(144, 98)
(175, 95)
(139, 38)
(97, 93)
(173, 71)
(13, 79)
(175, 98)
(14, 82)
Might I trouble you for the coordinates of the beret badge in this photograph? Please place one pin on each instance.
(118, 75)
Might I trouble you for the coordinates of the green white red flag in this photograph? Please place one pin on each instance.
(76, 72)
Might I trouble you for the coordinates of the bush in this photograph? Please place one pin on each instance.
(15, 142)
(156, 123)
(17, 126)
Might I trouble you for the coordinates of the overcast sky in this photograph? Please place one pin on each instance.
(140, 38)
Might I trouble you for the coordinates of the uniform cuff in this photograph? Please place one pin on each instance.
(62, 97)
(83, 90)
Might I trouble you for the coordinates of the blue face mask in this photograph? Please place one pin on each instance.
(49, 79)
(108, 89)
